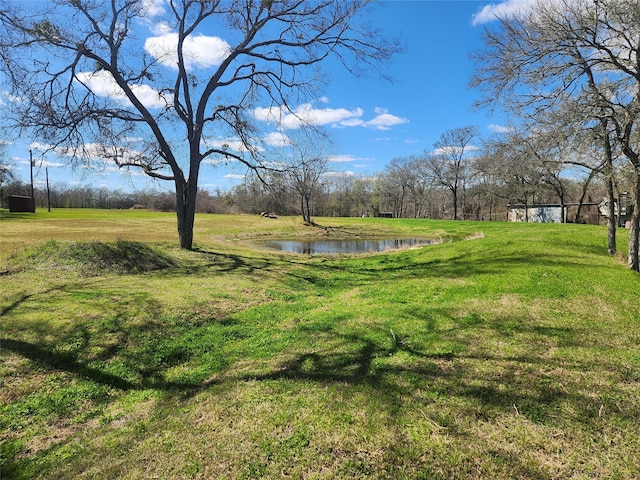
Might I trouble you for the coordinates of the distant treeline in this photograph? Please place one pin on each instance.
(387, 194)
(64, 196)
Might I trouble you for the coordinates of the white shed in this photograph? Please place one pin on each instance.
(550, 213)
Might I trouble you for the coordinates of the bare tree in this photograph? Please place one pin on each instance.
(593, 147)
(6, 170)
(413, 182)
(488, 173)
(6, 166)
(394, 182)
(363, 188)
(85, 82)
(449, 162)
(339, 196)
(519, 169)
(585, 50)
(302, 164)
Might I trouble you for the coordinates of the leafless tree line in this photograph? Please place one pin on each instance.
(461, 178)
(66, 196)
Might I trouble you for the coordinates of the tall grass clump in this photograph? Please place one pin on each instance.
(93, 258)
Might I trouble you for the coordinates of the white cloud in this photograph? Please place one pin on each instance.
(102, 84)
(152, 8)
(161, 28)
(336, 117)
(12, 98)
(345, 158)
(92, 151)
(229, 144)
(352, 122)
(46, 163)
(454, 150)
(500, 128)
(199, 51)
(384, 120)
(235, 176)
(277, 139)
(214, 161)
(505, 9)
(306, 114)
(40, 146)
(343, 174)
(148, 13)
(513, 8)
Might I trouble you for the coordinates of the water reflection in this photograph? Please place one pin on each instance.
(310, 247)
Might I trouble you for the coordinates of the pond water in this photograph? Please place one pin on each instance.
(310, 247)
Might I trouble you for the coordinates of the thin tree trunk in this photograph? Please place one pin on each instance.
(304, 207)
(634, 232)
(454, 192)
(585, 187)
(612, 223)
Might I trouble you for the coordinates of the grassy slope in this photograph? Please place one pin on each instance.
(512, 354)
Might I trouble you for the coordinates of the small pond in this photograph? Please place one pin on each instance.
(310, 247)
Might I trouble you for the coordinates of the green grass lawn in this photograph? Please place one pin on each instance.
(503, 351)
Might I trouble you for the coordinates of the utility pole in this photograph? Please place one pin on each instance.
(46, 169)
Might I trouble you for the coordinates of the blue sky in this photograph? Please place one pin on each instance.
(372, 121)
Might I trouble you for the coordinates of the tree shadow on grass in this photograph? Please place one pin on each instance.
(360, 358)
(361, 362)
(129, 347)
(148, 375)
(487, 383)
(211, 261)
(399, 374)
(458, 266)
(527, 384)
(64, 361)
(24, 298)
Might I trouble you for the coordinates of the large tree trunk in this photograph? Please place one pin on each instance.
(302, 210)
(634, 232)
(186, 193)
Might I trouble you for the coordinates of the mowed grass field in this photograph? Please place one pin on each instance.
(502, 351)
